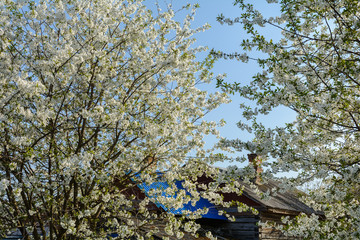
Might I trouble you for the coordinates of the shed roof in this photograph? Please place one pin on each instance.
(288, 201)
(282, 202)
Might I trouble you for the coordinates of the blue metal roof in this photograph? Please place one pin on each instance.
(200, 204)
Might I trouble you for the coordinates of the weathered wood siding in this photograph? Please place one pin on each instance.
(271, 233)
(244, 228)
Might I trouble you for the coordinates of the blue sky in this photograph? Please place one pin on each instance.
(228, 38)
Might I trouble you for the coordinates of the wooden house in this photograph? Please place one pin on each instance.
(272, 209)
(246, 224)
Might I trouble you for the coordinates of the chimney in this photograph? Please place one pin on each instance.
(255, 161)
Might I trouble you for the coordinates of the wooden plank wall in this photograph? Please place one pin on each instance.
(272, 233)
(244, 228)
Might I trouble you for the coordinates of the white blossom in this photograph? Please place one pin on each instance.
(89, 91)
(314, 70)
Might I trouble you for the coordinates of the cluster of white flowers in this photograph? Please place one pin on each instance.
(313, 70)
(89, 92)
